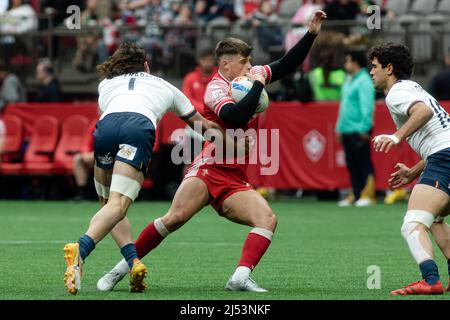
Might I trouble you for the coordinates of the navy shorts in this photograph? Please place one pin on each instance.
(437, 171)
(124, 136)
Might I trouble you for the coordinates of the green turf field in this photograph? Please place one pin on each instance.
(319, 251)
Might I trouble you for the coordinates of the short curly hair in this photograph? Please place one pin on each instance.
(398, 55)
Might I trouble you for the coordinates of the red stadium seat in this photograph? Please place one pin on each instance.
(147, 184)
(43, 140)
(73, 130)
(11, 154)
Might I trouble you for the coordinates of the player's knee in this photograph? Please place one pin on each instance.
(175, 218)
(267, 221)
(271, 221)
(414, 220)
(118, 206)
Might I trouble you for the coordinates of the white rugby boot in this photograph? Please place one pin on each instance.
(246, 284)
(113, 277)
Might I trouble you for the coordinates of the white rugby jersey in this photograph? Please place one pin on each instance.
(435, 134)
(142, 93)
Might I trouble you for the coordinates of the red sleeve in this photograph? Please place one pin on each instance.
(188, 90)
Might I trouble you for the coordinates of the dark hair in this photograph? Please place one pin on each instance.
(47, 64)
(205, 52)
(396, 54)
(358, 56)
(129, 58)
(232, 46)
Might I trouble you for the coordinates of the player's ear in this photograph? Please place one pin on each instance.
(390, 69)
(146, 67)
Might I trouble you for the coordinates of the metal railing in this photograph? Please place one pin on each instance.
(428, 41)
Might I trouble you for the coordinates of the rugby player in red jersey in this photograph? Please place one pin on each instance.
(225, 185)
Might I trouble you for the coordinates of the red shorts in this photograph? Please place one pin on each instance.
(221, 181)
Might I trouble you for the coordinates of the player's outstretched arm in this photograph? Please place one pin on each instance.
(419, 115)
(298, 53)
(405, 175)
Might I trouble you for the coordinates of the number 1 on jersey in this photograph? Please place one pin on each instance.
(131, 84)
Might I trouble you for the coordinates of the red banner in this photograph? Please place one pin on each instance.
(309, 155)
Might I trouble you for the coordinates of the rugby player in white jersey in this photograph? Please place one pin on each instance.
(132, 102)
(225, 185)
(426, 126)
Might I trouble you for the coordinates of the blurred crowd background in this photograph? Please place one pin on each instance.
(174, 32)
(43, 58)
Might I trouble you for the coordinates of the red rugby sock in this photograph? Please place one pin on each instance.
(254, 248)
(148, 240)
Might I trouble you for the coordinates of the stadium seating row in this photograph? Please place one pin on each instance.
(50, 149)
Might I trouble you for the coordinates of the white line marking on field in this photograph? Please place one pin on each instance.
(217, 244)
(181, 243)
(7, 242)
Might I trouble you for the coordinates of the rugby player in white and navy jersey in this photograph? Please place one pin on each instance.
(132, 102)
(426, 127)
(225, 185)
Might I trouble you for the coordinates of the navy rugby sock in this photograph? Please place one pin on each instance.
(129, 253)
(86, 246)
(429, 271)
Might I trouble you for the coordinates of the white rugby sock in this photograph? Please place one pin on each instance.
(241, 273)
(122, 266)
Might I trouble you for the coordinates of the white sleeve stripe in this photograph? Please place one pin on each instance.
(221, 104)
(188, 114)
(269, 73)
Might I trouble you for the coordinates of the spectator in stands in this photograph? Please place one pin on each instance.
(83, 165)
(194, 87)
(203, 10)
(300, 20)
(58, 9)
(194, 83)
(49, 89)
(2, 136)
(18, 20)
(263, 20)
(440, 84)
(87, 45)
(151, 14)
(327, 78)
(297, 86)
(11, 89)
(342, 10)
(244, 9)
(353, 128)
(4, 6)
(179, 37)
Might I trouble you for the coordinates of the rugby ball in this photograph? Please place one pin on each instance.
(239, 88)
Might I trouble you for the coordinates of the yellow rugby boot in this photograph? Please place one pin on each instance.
(137, 276)
(72, 276)
(396, 195)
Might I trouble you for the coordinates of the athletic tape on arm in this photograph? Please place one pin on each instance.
(389, 136)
